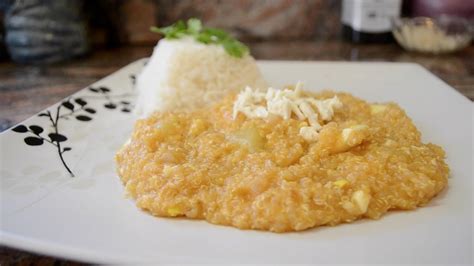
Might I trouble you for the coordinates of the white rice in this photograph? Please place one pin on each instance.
(184, 74)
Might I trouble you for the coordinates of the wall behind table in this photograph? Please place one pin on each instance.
(128, 22)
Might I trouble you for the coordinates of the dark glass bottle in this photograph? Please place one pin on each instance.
(369, 21)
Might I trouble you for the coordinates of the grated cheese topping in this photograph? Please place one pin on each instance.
(347, 133)
(286, 103)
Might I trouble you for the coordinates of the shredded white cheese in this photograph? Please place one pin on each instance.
(346, 132)
(285, 103)
(309, 133)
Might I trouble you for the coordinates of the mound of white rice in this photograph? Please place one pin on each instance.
(184, 74)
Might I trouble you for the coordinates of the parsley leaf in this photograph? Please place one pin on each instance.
(234, 48)
(217, 33)
(174, 31)
(193, 27)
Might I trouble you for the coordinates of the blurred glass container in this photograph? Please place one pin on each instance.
(427, 35)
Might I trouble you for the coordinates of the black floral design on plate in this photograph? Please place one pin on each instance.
(73, 108)
(76, 108)
(111, 101)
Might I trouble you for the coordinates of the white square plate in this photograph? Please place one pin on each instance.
(86, 217)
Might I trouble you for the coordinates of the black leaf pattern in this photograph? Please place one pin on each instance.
(80, 101)
(36, 129)
(83, 118)
(56, 137)
(68, 105)
(110, 106)
(33, 141)
(90, 110)
(20, 129)
(77, 111)
(104, 89)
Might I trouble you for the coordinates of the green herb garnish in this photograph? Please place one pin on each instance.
(194, 28)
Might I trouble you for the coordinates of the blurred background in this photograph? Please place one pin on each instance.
(50, 49)
(112, 23)
(92, 25)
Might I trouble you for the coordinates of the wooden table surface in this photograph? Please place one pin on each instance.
(25, 90)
